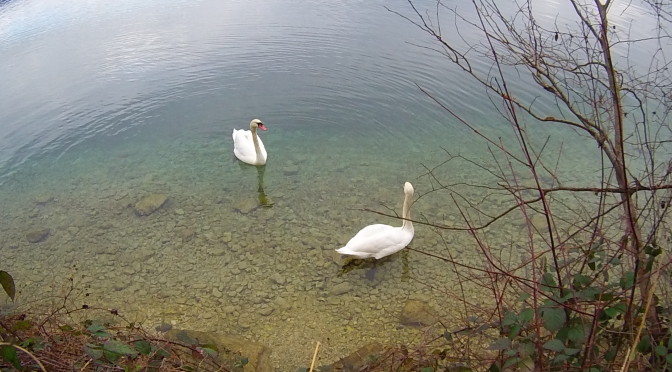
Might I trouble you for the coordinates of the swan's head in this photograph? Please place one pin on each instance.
(408, 188)
(256, 123)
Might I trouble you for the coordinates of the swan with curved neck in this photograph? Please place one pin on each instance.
(247, 146)
(383, 240)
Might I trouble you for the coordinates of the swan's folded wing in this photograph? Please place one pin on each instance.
(375, 241)
(398, 245)
(242, 143)
(241, 135)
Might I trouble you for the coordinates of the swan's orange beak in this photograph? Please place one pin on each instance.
(261, 126)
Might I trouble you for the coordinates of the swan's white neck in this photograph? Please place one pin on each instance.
(406, 212)
(257, 149)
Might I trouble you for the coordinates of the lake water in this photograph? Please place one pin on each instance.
(103, 103)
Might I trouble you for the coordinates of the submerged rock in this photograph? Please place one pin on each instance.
(164, 327)
(539, 222)
(340, 288)
(149, 204)
(187, 234)
(277, 278)
(38, 235)
(43, 199)
(245, 206)
(417, 313)
(290, 170)
(266, 311)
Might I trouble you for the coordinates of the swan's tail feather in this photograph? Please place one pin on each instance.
(350, 252)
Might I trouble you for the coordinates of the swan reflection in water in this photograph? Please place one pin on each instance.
(264, 200)
(371, 266)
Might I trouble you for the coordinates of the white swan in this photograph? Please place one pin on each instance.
(247, 146)
(383, 240)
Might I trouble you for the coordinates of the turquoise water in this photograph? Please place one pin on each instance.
(105, 103)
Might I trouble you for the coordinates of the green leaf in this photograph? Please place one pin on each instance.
(514, 331)
(510, 318)
(523, 297)
(211, 352)
(98, 330)
(94, 328)
(554, 345)
(653, 250)
(576, 334)
(581, 281)
(114, 349)
(628, 280)
(660, 350)
(116, 346)
(595, 245)
(34, 343)
(22, 325)
(559, 358)
(591, 265)
(511, 362)
(501, 344)
(143, 347)
(8, 354)
(644, 345)
(163, 353)
(133, 368)
(526, 349)
(571, 351)
(526, 315)
(649, 264)
(184, 337)
(590, 293)
(548, 280)
(213, 347)
(606, 296)
(93, 351)
(613, 311)
(427, 369)
(668, 358)
(7, 283)
(553, 317)
(610, 355)
(66, 328)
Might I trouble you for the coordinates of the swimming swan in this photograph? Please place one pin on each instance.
(383, 240)
(247, 146)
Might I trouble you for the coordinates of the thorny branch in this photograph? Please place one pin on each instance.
(624, 108)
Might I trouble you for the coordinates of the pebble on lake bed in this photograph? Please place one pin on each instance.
(38, 235)
(149, 204)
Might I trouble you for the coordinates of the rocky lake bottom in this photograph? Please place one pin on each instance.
(180, 234)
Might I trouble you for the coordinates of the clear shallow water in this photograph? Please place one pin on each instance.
(103, 103)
